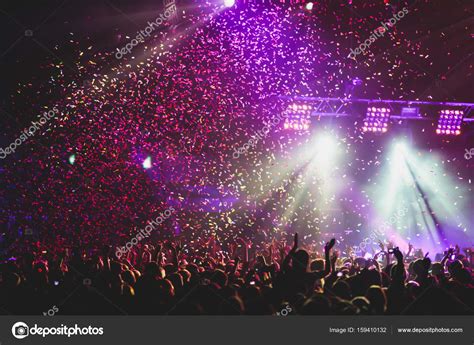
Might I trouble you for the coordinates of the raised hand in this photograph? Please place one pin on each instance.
(282, 252)
(334, 257)
(329, 245)
(295, 242)
(398, 254)
(349, 250)
(179, 247)
(381, 245)
(236, 263)
(232, 247)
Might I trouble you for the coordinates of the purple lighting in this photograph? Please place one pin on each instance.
(450, 122)
(376, 120)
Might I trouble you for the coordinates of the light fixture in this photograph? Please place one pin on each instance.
(298, 117)
(147, 163)
(376, 119)
(229, 3)
(450, 122)
(72, 159)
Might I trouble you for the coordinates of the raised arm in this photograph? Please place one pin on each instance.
(157, 254)
(446, 257)
(398, 274)
(286, 262)
(176, 250)
(327, 259)
(246, 249)
(327, 254)
(410, 249)
(236, 266)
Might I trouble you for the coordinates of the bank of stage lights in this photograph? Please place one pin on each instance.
(298, 117)
(450, 122)
(376, 120)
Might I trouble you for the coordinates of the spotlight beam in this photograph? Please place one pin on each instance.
(433, 216)
(423, 215)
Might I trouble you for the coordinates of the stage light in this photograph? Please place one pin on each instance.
(298, 117)
(401, 148)
(229, 3)
(325, 151)
(411, 113)
(407, 192)
(72, 159)
(450, 122)
(401, 153)
(309, 6)
(147, 163)
(376, 119)
(326, 142)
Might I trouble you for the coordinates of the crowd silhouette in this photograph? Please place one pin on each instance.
(169, 278)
